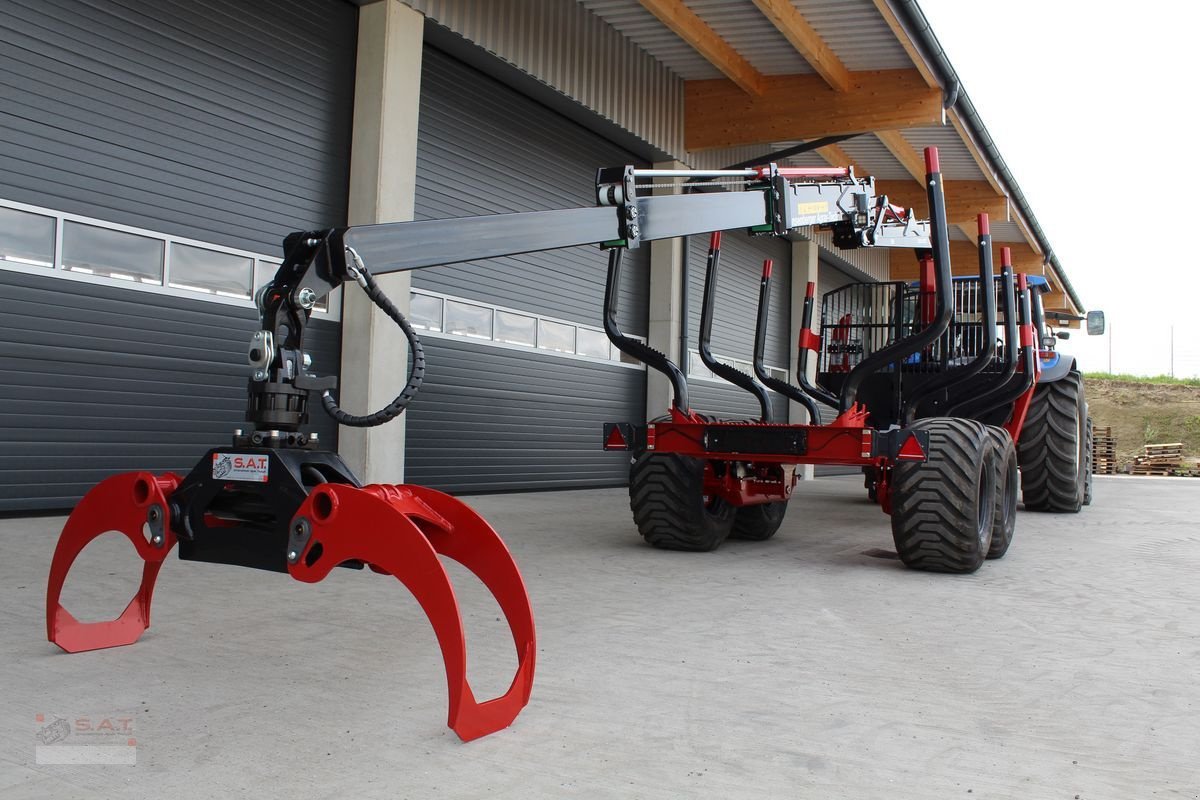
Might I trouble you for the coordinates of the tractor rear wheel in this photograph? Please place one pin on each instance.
(759, 522)
(1005, 522)
(670, 509)
(1053, 448)
(942, 509)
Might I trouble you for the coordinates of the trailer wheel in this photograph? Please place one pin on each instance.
(1005, 522)
(1053, 447)
(1091, 464)
(942, 509)
(666, 494)
(758, 522)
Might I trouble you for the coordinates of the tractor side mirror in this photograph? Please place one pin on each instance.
(1095, 323)
(1063, 335)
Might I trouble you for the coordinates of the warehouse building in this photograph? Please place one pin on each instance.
(153, 155)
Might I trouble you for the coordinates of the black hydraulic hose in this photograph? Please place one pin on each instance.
(814, 390)
(760, 344)
(415, 375)
(632, 347)
(1039, 315)
(944, 286)
(795, 150)
(684, 266)
(1012, 351)
(734, 376)
(1023, 382)
(952, 376)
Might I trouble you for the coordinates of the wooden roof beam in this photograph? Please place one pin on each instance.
(808, 43)
(965, 200)
(964, 260)
(696, 32)
(719, 114)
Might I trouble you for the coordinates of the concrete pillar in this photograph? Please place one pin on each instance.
(666, 279)
(805, 265)
(383, 164)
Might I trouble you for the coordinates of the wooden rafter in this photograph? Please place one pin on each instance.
(696, 32)
(718, 114)
(808, 43)
(965, 200)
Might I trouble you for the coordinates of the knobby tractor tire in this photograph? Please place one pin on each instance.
(1091, 464)
(1004, 524)
(666, 495)
(942, 509)
(758, 523)
(1052, 451)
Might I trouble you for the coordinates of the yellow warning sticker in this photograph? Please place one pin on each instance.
(805, 209)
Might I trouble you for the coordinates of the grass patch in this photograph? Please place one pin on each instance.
(1157, 379)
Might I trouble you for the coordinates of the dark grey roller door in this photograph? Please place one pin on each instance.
(735, 317)
(219, 120)
(216, 120)
(494, 418)
(92, 384)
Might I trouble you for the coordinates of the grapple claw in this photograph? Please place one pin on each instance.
(400, 530)
(123, 503)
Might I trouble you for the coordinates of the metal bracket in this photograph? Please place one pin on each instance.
(154, 521)
(298, 536)
(895, 446)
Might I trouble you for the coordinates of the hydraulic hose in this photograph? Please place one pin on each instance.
(367, 281)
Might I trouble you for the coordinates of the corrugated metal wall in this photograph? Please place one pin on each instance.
(493, 418)
(221, 121)
(93, 383)
(218, 120)
(567, 47)
(736, 313)
(486, 149)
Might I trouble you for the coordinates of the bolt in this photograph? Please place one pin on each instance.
(306, 360)
(259, 375)
(313, 438)
(306, 297)
(237, 431)
(157, 540)
(292, 555)
(154, 514)
(312, 242)
(256, 438)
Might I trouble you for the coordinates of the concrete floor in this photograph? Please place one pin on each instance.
(800, 667)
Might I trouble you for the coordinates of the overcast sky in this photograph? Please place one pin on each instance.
(1094, 107)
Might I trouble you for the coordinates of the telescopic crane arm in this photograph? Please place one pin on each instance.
(772, 200)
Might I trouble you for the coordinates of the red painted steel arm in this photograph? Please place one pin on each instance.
(399, 531)
(123, 504)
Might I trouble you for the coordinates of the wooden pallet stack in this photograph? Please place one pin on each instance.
(1104, 451)
(1160, 459)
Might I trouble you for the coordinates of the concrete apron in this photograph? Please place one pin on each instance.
(798, 667)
